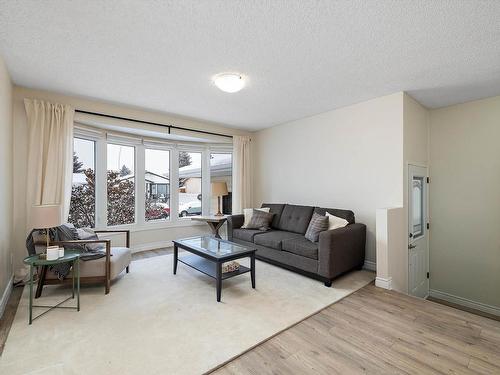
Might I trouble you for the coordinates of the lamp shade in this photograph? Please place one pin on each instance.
(45, 216)
(219, 189)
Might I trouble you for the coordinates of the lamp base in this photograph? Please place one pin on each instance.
(219, 214)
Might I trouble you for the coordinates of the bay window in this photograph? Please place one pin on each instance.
(121, 184)
(82, 207)
(157, 182)
(190, 183)
(126, 180)
(221, 170)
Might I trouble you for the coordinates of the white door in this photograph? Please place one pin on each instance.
(418, 250)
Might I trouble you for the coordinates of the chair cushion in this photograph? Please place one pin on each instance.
(277, 210)
(295, 218)
(344, 214)
(301, 246)
(120, 259)
(273, 238)
(246, 234)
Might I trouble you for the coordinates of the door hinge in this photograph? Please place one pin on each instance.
(428, 226)
(428, 179)
(428, 275)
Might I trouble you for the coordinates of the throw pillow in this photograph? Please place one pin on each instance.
(317, 225)
(260, 220)
(248, 212)
(89, 234)
(335, 222)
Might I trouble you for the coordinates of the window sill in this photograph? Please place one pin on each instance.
(156, 226)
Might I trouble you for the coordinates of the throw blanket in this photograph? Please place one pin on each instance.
(66, 232)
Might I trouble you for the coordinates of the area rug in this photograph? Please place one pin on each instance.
(153, 322)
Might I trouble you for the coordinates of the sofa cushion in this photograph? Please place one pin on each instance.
(301, 246)
(295, 218)
(277, 210)
(273, 238)
(344, 214)
(246, 234)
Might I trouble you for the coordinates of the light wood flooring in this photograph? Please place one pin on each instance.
(375, 331)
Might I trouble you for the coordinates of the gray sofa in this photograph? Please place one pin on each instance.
(337, 252)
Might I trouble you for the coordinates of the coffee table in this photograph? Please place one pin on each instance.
(208, 255)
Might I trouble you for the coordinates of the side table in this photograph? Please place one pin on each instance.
(214, 222)
(35, 261)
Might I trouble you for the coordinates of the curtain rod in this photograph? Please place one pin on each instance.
(153, 123)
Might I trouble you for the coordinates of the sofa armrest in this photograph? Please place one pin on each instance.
(341, 250)
(234, 222)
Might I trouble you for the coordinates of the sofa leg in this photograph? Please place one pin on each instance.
(328, 283)
(127, 269)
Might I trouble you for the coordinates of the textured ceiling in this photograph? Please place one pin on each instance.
(302, 57)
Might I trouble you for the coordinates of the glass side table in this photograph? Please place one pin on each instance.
(35, 261)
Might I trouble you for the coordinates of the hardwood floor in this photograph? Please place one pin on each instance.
(8, 315)
(373, 331)
(377, 331)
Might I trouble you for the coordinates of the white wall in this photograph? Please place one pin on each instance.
(5, 183)
(465, 201)
(141, 239)
(350, 158)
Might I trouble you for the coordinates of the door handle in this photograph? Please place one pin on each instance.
(411, 246)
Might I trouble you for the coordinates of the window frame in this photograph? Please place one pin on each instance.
(102, 138)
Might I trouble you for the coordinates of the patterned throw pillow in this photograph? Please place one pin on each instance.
(317, 224)
(89, 234)
(260, 220)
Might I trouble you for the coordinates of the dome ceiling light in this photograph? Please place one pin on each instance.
(229, 82)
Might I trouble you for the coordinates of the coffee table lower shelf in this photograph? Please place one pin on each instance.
(208, 267)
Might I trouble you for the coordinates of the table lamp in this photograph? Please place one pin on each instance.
(45, 216)
(219, 189)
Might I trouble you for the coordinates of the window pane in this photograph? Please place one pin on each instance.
(157, 185)
(82, 207)
(418, 208)
(189, 183)
(221, 172)
(121, 184)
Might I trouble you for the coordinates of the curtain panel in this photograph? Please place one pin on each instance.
(50, 154)
(242, 169)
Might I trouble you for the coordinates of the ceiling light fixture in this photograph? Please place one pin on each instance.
(229, 82)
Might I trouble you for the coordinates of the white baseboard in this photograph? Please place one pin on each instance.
(369, 265)
(6, 295)
(151, 246)
(382, 282)
(494, 310)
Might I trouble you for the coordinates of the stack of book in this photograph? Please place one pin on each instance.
(230, 267)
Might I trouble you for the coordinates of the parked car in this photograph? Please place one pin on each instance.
(190, 209)
(157, 213)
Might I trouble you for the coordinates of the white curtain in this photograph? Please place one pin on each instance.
(242, 174)
(50, 154)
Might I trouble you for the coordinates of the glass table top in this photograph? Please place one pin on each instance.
(214, 246)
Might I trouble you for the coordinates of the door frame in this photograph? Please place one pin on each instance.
(426, 217)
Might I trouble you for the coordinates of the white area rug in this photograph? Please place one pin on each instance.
(153, 322)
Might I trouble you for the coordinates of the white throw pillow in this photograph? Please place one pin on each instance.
(335, 222)
(248, 212)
